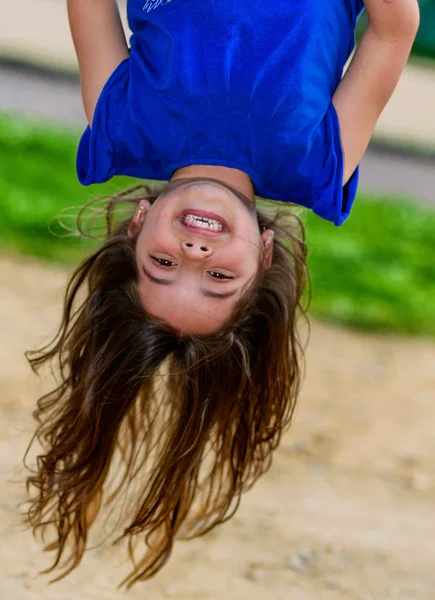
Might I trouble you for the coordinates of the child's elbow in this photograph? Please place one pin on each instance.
(413, 19)
(395, 21)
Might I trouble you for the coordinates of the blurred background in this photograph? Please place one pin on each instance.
(41, 119)
(347, 512)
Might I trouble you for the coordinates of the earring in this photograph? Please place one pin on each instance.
(140, 211)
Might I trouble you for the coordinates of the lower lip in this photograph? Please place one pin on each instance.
(204, 215)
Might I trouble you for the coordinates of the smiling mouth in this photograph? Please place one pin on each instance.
(198, 221)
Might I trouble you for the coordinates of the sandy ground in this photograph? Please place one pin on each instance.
(346, 512)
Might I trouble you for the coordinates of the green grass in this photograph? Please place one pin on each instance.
(376, 272)
(37, 181)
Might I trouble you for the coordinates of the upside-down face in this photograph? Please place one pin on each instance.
(198, 247)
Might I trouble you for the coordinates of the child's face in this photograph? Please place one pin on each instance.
(191, 277)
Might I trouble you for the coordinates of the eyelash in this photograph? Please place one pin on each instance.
(167, 263)
(163, 262)
(218, 275)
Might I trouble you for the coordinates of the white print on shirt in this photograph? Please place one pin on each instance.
(153, 4)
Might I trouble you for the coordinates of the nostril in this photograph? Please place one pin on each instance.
(204, 249)
(189, 245)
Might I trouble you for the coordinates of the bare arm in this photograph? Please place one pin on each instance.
(100, 44)
(373, 74)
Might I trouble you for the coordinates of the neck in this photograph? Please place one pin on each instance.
(233, 177)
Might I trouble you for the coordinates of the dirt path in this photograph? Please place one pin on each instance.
(346, 512)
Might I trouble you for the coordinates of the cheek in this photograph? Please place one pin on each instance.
(155, 235)
(142, 243)
(245, 255)
(163, 214)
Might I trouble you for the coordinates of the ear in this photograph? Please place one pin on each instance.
(138, 219)
(267, 238)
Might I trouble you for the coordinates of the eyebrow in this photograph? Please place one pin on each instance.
(208, 293)
(156, 279)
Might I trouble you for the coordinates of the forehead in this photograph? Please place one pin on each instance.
(185, 308)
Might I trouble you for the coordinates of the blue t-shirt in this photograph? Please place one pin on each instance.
(247, 85)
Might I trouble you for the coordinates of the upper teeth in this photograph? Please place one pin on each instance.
(203, 222)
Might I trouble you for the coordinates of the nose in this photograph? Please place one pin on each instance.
(196, 251)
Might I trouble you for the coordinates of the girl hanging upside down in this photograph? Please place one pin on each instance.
(178, 353)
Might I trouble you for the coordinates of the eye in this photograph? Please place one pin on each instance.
(217, 275)
(164, 262)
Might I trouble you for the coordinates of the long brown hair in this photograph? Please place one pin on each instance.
(195, 418)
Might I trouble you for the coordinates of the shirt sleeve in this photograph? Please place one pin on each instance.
(96, 156)
(330, 199)
(356, 7)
